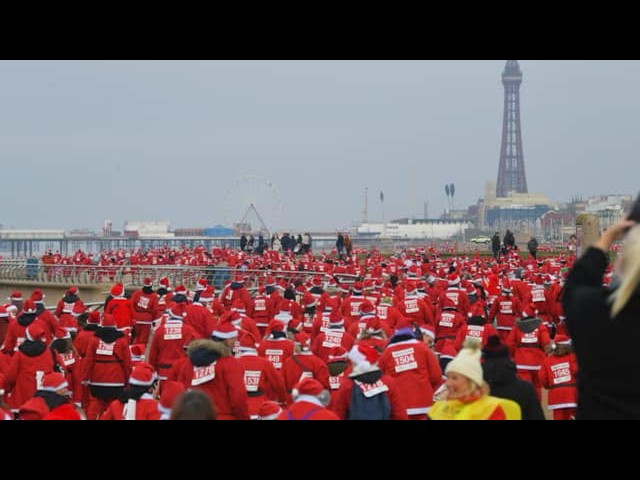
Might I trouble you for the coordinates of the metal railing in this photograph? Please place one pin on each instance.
(133, 275)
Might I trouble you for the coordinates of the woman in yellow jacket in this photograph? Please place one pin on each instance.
(466, 394)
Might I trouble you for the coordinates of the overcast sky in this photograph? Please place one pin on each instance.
(194, 142)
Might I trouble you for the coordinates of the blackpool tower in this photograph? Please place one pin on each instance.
(511, 174)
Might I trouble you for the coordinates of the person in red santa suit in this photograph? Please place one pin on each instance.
(120, 307)
(214, 370)
(199, 314)
(68, 301)
(377, 397)
(164, 294)
(339, 367)
(477, 328)
(334, 336)
(236, 290)
(415, 308)
(107, 366)
(41, 311)
(415, 368)
(238, 317)
(5, 411)
(51, 401)
(529, 343)
(145, 311)
(386, 311)
(310, 400)
(263, 310)
(170, 341)
(28, 366)
(304, 364)
(505, 309)
(449, 323)
(65, 360)
(276, 347)
(137, 401)
(559, 376)
(350, 306)
(81, 345)
(261, 380)
(18, 325)
(375, 334)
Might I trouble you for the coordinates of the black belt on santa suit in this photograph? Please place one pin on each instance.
(563, 385)
(257, 393)
(530, 346)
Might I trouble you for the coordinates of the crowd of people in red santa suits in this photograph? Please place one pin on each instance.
(408, 314)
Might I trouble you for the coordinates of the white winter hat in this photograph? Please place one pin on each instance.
(467, 363)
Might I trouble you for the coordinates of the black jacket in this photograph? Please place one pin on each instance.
(606, 349)
(500, 374)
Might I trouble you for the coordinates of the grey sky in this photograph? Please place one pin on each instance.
(85, 141)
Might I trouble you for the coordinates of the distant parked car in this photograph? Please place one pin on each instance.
(481, 239)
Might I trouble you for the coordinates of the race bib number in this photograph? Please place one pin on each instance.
(506, 308)
(261, 305)
(172, 333)
(538, 295)
(229, 295)
(561, 373)
(143, 303)
(474, 331)
(334, 381)
(68, 307)
(105, 348)
(332, 339)
(453, 296)
(19, 341)
(305, 375)
(275, 357)
(404, 360)
(203, 374)
(67, 358)
(372, 389)
(411, 306)
(382, 312)
(530, 337)
(252, 380)
(446, 320)
(355, 309)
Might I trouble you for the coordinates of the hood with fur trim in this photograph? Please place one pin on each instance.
(203, 352)
(70, 298)
(529, 324)
(32, 349)
(367, 377)
(108, 335)
(26, 319)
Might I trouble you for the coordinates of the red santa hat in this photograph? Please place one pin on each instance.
(37, 296)
(176, 310)
(61, 333)
(276, 325)
(364, 358)
(164, 282)
(307, 386)
(207, 294)
(495, 348)
(28, 306)
(108, 321)
(303, 339)
(53, 382)
(335, 318)
(367, 308)
(94, 317)
(143, 374)
(225, 331)
(117, 290)
(561, 339)
(337, 354)
(308, 300)
(137, 352)
(269, 410)
(270, 282)
(147, 282)
(35, 332)
(316, 280)
(201, 285)
(373, 325)
(247, 342)
(294, 325)
(72, 290)
(180, 290)
(357, 287)
(16, 296)
(453, 279)
(169, 393)
(506, 285)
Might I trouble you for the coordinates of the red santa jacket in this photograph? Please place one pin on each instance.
(29, 363)
(212, 369)
(261, 380)
(558, 376)
(108, 360)
(307, 408)
(145, 306)
(169, 344)
(146, 409)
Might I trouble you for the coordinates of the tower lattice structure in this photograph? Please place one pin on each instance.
(511, 173)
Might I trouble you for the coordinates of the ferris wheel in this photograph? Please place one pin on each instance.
(253, 200)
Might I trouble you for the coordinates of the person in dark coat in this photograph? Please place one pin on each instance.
(500, 374)
(604, 328)
(532, 246)
(243, 242)
(509, 240)
(340, 244)
(495, 245)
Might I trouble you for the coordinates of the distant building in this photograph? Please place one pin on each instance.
(415, 229)
(147, 229)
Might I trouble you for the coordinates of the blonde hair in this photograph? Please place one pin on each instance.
(628, 267)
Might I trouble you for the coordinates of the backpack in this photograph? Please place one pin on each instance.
(369, 402)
